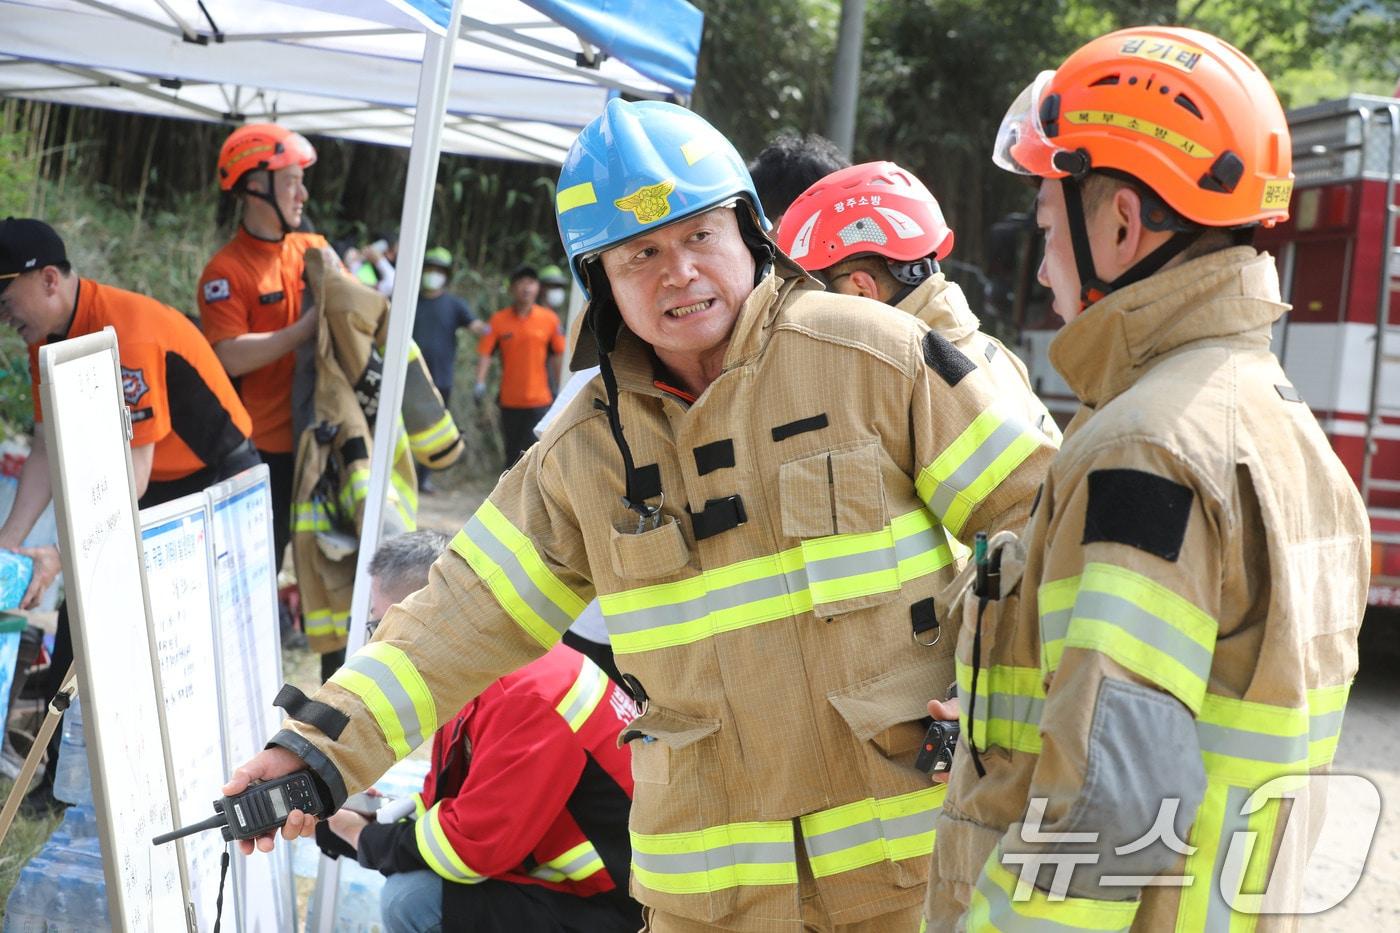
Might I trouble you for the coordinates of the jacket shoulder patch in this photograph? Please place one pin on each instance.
(945, 359)
(1139, 509)
(216, 290)
(134, 385)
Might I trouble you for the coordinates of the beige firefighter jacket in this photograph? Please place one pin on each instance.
(942, 305)
(813, 501)
(1179, 622)
(332, 462)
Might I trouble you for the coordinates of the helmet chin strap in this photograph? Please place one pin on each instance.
(1092, 288)
(270, 196)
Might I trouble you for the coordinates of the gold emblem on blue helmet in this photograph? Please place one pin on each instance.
(650, 203)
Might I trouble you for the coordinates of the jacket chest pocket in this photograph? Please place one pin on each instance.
(647, 555)
(834, 503)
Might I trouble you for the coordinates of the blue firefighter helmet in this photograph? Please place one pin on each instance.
(636, 167)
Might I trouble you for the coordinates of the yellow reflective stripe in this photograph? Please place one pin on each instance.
(576, 864)
(1145, 627)
(433, 435)
(923, 925)
(778, 586)
(1326, 706)
(1220, 823)
(319, 622)
(972, 467)
(310, 522)
(419, 808)
(407, 503)
(997, 904)
(867, 831)
(1247, 744)
(393, 691)
(1056, 605)
(517, 576)
(583, 697)
(413, 352)
(354, 488)
(715, 858)
(1009, 704)
(574, 196)
(438, 852)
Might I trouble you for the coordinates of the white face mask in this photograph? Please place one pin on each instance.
(432, 281)
(554, 296)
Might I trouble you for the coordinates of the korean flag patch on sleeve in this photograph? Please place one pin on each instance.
(215, 290)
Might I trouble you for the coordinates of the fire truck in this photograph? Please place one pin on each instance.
(1339, 268)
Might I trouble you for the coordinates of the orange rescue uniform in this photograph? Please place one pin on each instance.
(254, 286)
(525, 344)
(181, 399)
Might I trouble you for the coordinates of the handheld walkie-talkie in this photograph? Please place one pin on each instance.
(936, 753)
(259, 809)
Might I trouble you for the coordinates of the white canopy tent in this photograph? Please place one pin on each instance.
(512, 79)
(522, 84)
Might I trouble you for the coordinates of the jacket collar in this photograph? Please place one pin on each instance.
(942, 306)
(1231, 295)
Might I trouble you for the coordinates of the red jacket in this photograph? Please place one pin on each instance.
(527, 786)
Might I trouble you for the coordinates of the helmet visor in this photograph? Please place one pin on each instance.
(298, 150)
(1022, 145)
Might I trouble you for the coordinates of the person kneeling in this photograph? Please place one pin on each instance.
(522, 821)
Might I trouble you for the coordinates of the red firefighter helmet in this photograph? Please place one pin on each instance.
(876, 208)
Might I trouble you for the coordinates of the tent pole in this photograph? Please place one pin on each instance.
(428, 115)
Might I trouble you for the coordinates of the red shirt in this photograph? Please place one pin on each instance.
(180, 398)
(525, 344)
(506, 769)
(254, 286)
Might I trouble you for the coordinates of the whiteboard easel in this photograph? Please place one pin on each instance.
(87, 429)
(177, 539)
(250, 671)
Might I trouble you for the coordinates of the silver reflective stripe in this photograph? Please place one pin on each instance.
(398, 698)
(742, 853)
(1146, 627)
(596, 684)
(1054, 626)
(838, 568)
(717, 600)
(445, 861)
(926, 541)
(975, 465)
(1257, 746)
(1218, 912)
(1005, 919)
(578, 863)
(1009, 706)
(1325, 725)
(900, 827)
(515, 572)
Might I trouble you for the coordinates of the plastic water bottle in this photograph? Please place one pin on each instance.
(31, 899)
(72, 784)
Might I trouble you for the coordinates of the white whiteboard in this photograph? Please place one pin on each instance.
(250, 660)
(87, 433)
(177, 540)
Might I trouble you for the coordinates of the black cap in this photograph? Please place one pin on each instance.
(524, 272)
(27, 244)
